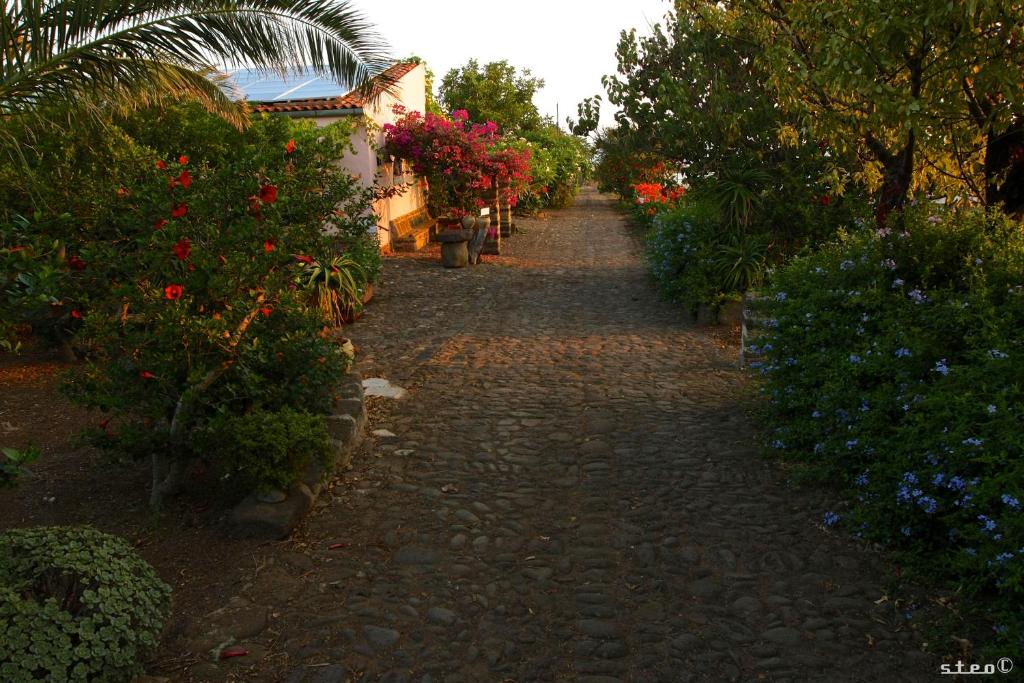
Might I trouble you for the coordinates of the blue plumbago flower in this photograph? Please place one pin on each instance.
(991, 409)
(905, 531)
(852, 443)
(820, 271)
(816, 414)
(972, 441)
(997, 354)
(931, 459)
(846, 265)
(897, 283)
(767, 347)
(942, 368)
(778, 444)
(917, 296)
(862, 479)
(831, 518)
(772, 322)
(852, 293)
(1003, 557)
(971, 551)
(956, 484)
(938, 479)
(819, 448)
(965, 502)
(906, 407)
(781, 296)
(864, 405)
(928, 504)
(1011, 501)
(791, 361)
(854, 358)
(889, 264)
(988, 524)
(843, 415)
(903, 353)
(978, 261)
(909, 478)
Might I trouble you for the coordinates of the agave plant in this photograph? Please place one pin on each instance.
(336, 287)
(740, 262)
(133, 52)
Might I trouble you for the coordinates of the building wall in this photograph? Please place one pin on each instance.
(410, 91)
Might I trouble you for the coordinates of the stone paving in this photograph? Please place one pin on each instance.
(571, 493)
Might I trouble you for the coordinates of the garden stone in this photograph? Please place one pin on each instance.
(380, 637)
(378, 386)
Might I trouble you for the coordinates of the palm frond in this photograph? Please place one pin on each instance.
(102, 50)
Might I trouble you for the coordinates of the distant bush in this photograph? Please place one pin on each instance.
(895, 371)
(76, 606)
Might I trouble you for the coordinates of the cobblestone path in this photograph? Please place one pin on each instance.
(571, 493)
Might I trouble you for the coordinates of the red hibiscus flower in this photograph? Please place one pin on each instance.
(160, 224)
(122, 192)
(15, 250)
(826, 200)
(266, 311)
(268, 194)
(179, 210)
(183, 160)
(269, 246)
(161, 165)
(301, 258)
(173, 292)
(185, 179)
(182, 249)
(290, 147)
(75, 314)
(146, 374)
(223, 260)
(76, 263)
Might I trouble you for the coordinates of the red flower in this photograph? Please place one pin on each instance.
(146, 374)
(290, 147)
(15, 250)
(826, 200)
(75, 314)
(161, 165)
(222, 259)
(183, 160)
(269, 246)
(182, 249)
(268, 194)
(122, 192)
(266, 311)
(160, 224)
(173, 292)
(104, 424)
(76, 263)
(179, 210)
(185, 179)
(304, 259)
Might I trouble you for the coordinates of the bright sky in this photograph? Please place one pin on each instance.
(568, 43)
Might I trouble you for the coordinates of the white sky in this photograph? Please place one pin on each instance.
(568, 43)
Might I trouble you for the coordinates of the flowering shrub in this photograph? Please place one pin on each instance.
(559, 164)
(694, 260)
(459, 159)
(893, 367)
(184, 299)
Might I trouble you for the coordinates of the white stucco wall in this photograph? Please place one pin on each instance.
(368, 138)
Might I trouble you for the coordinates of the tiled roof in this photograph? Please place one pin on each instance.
(350, 100)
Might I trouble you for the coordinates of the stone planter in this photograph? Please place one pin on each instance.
(455, 248)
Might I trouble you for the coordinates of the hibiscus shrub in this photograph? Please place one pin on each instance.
(894, 367)
(182, 288)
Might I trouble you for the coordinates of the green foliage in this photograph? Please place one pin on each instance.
(496, 92)
(76, 606)
(267, 449)
(336, 286)
(893, 372)
(559, 164)
(12, 464)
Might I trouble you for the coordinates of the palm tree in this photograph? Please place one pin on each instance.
(133, 52)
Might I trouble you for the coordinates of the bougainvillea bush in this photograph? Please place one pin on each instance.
(186, 300)
(459, 159)
(895, 371)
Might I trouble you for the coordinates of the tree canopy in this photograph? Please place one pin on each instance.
(496, 91)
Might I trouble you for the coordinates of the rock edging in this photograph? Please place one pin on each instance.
(253, 518)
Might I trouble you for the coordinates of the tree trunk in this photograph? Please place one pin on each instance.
(1004, 169)
(897, 177)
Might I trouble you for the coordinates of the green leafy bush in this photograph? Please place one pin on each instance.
(267, 449)
(895, 371)
(12, 464)
(559, 164)
(76, 605)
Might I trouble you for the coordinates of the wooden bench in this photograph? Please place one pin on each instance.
(413, 230)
